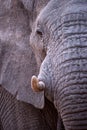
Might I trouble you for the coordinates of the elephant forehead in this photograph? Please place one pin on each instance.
(50, 9)
(56, 9)
(75, 7)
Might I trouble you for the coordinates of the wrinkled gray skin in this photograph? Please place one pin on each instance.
(59, 41)
(18, 115)
(17, 65)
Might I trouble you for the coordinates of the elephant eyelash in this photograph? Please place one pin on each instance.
(39, 32)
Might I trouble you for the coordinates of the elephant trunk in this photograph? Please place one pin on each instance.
(71, 72)
(71, 87)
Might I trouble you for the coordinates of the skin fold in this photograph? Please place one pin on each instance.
(19, 115)
(59, 41)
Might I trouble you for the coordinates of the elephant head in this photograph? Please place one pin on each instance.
(17, 61)
(59, 41)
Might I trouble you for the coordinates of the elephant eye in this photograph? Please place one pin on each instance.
(39, 32)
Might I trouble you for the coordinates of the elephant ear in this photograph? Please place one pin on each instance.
(17, 61)
(17, 65)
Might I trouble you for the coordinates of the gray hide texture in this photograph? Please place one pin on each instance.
(17, 61)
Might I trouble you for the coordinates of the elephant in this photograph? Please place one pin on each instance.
(17, 65)
(59, 41)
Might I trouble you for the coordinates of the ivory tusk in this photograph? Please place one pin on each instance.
(37, 85)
